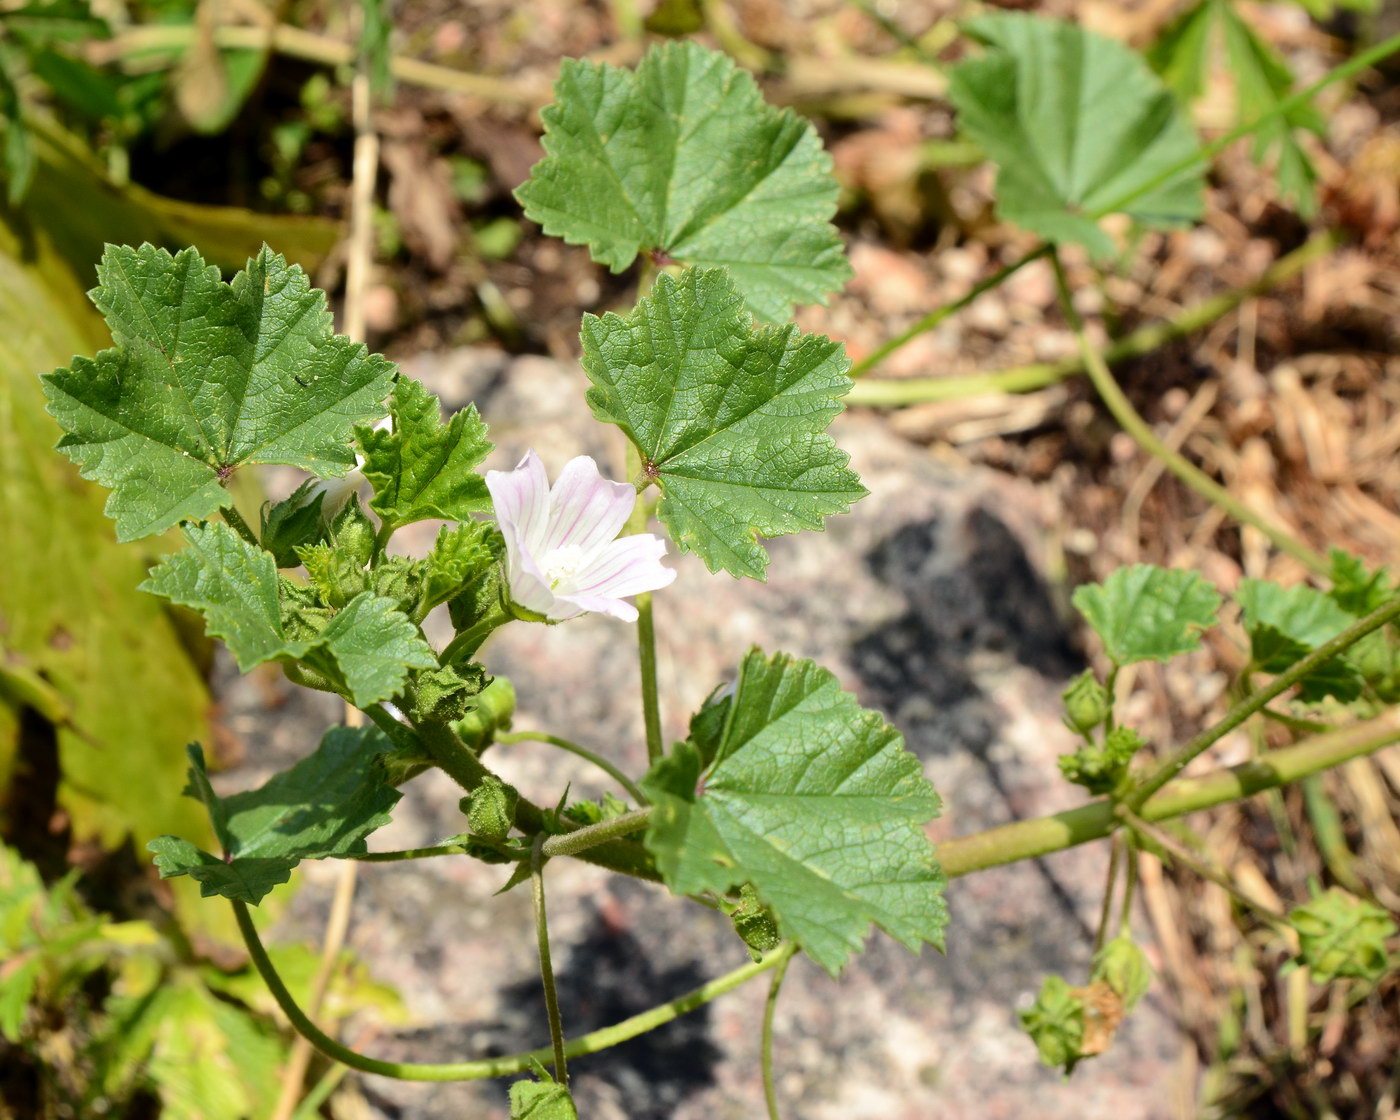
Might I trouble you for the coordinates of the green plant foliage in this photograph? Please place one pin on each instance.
(684, 159)
(293, 523)
(1341, 935)
(112, 1015)
(1078, 126)
(1356, 588)
(367, 648)
(815, 802)
(459, 555)
(1262, 79)
(1087, 703)
(205, 377)
(1124, 967)
(1146, 613)
(1055, 1023)
(323, 806)
(1099, 767)
(541, 1099)
(1285, 624)
(729, 420)
(423, 468)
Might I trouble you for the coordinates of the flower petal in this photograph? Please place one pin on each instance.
(521, 498)
(601, 604)
(626, 567)
(586, 509)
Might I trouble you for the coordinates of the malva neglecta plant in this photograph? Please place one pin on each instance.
(788, 806)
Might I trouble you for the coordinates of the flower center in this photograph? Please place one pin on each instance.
(562, 565)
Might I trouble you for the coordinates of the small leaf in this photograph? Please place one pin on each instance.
(368, 647)
(817, 804)
(1182, 52)
(685, 160)
(541, 1099)
(205, 377)
(731, 421)
(423, 468)
(1355, 588)
(324, 806)
(293, 523)
(1146, 613)
(1078, 126)
(1262, 80)
(1341, 935)
(1286, 624)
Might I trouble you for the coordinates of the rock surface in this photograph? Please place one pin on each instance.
(928, 601)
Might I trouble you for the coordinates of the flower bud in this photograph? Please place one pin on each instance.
(1086, 703)
(491, 809)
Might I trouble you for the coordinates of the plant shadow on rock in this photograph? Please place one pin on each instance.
(977, 608)
(609, 976)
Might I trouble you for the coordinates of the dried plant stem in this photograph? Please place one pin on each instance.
(1117, 403)
(897, 392)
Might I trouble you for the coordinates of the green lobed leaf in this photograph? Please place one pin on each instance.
(323, 806)
(459, 555)
(1146, 613)
(1356, 588)
(1262, 80)
(729, 420)
(1078, 126)
(205, 377)
(815, 802)
(423, 468)
(541, 1099)
(1285, 624)
(684, 159)
(368, 647)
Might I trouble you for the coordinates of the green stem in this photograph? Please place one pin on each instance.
(1164, 840)
(1183, 755)
(939, 314)
(770, 1008)
(1115, 853)
(551, 996)
(1040, 836)
(410, 853)
(1131, 422)
(1281, 108)
(583, 752)
(590, 836)
(589, 1043)
(468, 641)
(1125, 915)
(235, 521)
(896, 392)
(461, 764)
(646, 627)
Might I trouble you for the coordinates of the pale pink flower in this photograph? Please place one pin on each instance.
(563, 555)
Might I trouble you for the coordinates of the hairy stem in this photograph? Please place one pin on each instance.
(589, 1043)
(583, 752)
(770, 1008)
(1178, 760)
(234, 520)
(1042, 835)
(1131, 422)
(461, 764)
(551, 995)
(939, 314)
(591, 835)
(646, 627)
(896, 392)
